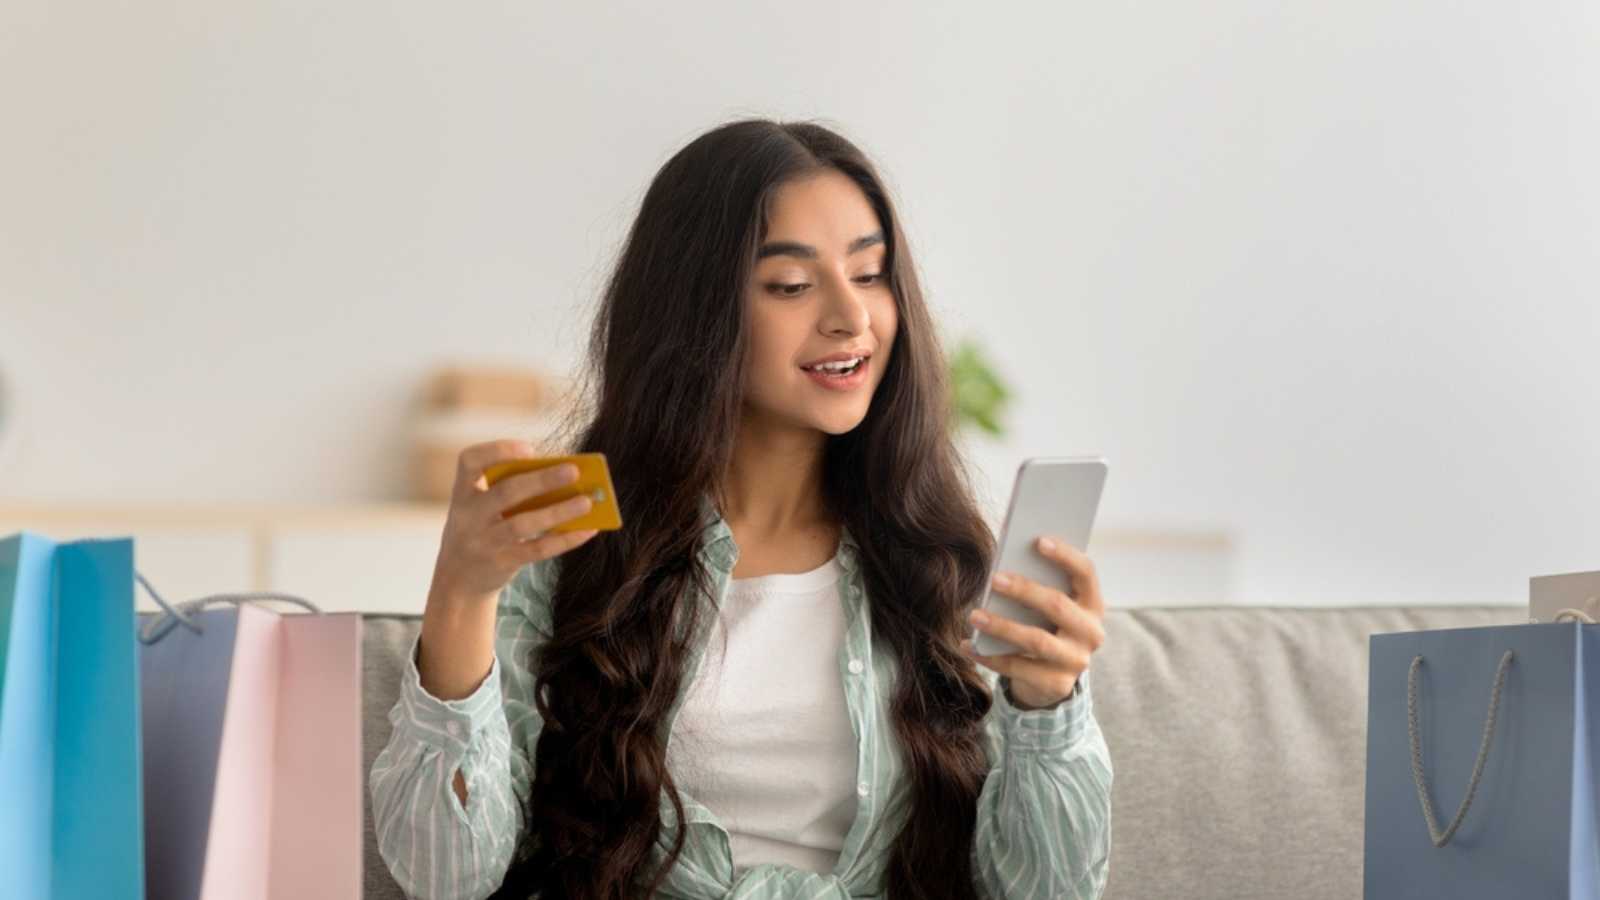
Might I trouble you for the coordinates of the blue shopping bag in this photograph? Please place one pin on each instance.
(71, 824)
(1481, 754)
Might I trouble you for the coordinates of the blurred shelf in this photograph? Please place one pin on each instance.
(379, 557)
(367, 558)
(225, 515)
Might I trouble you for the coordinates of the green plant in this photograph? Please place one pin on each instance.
(979, 395)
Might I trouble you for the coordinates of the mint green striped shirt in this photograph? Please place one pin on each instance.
(1044, 813)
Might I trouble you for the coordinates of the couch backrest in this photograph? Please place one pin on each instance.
(1238, 745)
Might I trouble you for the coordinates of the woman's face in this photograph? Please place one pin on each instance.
(819, 287)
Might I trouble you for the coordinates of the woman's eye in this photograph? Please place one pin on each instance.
(798, 288)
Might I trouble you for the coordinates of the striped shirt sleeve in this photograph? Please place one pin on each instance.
(435, 848)
(1044, 814)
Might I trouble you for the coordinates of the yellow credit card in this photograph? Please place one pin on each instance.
(594, 479)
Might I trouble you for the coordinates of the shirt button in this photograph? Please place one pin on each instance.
(861, 789)
(856, 667)
(453, 729)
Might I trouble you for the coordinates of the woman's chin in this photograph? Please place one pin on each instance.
(840, 424)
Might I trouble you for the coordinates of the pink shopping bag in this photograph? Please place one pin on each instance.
(252, 756)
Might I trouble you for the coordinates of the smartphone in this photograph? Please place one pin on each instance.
(1057, 496)
(594, 479)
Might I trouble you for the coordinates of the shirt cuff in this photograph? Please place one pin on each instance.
(1053, 728)
(447, 725)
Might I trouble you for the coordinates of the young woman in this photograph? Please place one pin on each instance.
(759, 687)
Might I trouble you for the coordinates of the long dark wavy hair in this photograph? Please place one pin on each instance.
(668, 347)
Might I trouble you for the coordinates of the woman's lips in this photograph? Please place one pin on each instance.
(849, 382)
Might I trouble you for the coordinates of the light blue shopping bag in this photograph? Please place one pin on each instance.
(1481, 754)
(71, 823)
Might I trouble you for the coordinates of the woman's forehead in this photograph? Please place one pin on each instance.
(826, 210)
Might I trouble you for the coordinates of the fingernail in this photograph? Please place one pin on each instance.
(979, 617)
(569, 473)
(1002, 580)
(1046, 544)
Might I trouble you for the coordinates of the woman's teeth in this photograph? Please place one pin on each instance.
(840, 368)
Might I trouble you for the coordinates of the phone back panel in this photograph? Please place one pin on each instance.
(1055, 496)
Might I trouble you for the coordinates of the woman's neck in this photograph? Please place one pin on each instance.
(771, 497)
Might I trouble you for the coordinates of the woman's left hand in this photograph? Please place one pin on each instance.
(1047, 670)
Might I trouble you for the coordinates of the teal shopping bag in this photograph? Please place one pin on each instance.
(1482, 747)
(71, 822)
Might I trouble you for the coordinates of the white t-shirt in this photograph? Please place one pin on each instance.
(763, 738)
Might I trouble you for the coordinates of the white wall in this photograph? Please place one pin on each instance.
(1323, 276)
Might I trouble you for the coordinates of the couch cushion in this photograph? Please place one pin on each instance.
(385, 642)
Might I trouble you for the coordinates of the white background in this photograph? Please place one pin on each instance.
(1320, 277)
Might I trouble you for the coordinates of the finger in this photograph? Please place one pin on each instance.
(509, 491)
(473, 460)
(552, 544)
(1030, 639)
(1042, 676)
(1080, 570)
(1073, 620)
(534, 523)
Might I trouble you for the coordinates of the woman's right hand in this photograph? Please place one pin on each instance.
(480, 550)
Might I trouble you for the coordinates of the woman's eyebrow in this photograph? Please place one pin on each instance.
(806, 251)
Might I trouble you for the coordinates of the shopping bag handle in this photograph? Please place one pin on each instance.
(1441, 838)
(173, 616)
(1578, 615)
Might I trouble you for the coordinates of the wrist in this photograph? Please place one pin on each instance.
(455, 650)
(1024, 703)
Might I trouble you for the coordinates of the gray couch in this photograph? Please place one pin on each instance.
(1238, 737)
